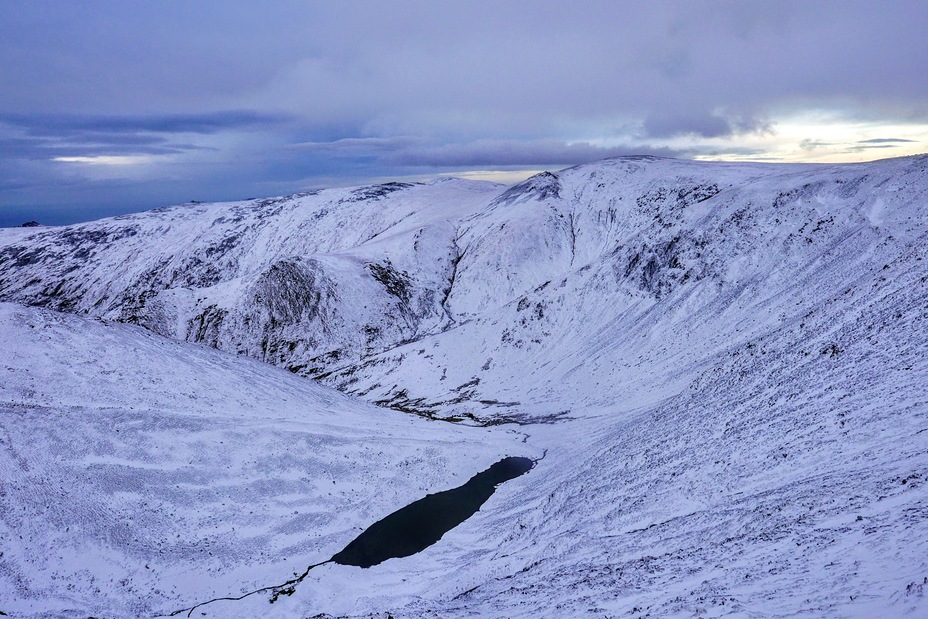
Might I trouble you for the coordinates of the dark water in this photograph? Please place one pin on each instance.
(419, 525)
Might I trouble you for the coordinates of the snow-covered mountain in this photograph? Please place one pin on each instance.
(299, 281)
(725, 364)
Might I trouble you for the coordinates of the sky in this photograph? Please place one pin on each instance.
(108, 107)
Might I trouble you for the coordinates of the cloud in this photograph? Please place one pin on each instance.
(668, 125)
(58, 125)
(355, 146)
(809, 144)
(48, 148)
(482, 153)
(407, 152)
(105, 160)
(879, 143)
(53, 136)
(707, 126)
(886, 141)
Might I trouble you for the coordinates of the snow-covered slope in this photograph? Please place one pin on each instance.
(299, 281)
(142, 475)
(724, 363)
(587, 279)
(613, 288)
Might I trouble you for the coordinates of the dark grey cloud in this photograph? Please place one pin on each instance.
(406, 152)
(666, 125)
(864, 147)
(878, 144)
(484, 153)
(204, 123)
(707, 126)
(227, 96)
(356, 146)
(46, 149)
(809, 144)
(50, 136)
(858, 146)
(386, 63)
(885, 141)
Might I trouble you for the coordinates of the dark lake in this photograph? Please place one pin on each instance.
(408, 530)
(419, 525)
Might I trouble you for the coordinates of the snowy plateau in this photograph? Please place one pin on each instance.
(720, 368)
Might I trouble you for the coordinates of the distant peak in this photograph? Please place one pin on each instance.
(540, 186)
(439, 180)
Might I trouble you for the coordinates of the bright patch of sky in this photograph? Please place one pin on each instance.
(504, 177)
(825, 137)
(108, 160)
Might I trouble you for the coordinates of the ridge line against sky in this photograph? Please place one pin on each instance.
(109, 107)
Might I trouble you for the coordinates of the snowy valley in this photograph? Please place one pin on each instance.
(719, 367)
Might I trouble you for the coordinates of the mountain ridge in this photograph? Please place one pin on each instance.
(460, 239)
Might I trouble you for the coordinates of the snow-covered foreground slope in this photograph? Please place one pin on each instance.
(142, 475)
(724, 363)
